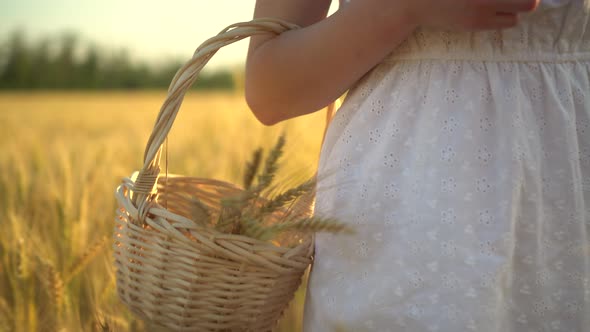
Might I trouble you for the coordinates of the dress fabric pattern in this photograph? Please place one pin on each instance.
(463, 162)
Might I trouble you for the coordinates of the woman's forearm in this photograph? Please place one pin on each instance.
(301, 71)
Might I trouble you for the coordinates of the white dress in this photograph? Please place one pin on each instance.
(463, 162)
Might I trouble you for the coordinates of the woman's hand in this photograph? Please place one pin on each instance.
(469, 14)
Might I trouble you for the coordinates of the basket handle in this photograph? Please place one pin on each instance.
(145, 183)
(147, 177)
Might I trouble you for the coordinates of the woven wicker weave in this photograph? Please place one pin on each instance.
(174, 273)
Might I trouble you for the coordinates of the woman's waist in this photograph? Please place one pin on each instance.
(550, 35)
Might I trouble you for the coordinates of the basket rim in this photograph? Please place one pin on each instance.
(235, 246)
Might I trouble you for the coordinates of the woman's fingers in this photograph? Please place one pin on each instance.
(499, 14)
(500, 21)
(470, 14)
(509, 6)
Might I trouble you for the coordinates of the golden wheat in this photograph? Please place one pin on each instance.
(252, 168)
(249, 212)
(54, 288)
(24, 262)
(5, 316)
(200, 212)
(84, 259)
(287, 197)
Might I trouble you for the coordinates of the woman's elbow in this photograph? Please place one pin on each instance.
(261, 107)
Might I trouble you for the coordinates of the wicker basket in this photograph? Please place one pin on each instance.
(174, 273)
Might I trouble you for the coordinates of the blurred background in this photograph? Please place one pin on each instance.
(67, 44)
(81, 83)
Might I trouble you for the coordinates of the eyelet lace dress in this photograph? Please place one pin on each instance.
(463, 163)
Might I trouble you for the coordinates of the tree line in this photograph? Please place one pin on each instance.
(65, 62)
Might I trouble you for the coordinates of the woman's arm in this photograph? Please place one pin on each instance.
(302, 71)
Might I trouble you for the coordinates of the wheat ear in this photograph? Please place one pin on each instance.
(54, 285)
(251, 227)
(228, 221)
(102, 324)
(252, 168)
(313, 225)
(230, 216)
(287, 197)
(270, 167)
(303, 206)
(200, 212)
(84, 259)
(24, 263)
(6, 316)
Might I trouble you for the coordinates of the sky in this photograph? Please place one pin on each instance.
(151, 30)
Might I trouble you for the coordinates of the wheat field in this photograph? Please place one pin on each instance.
(63, 154)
